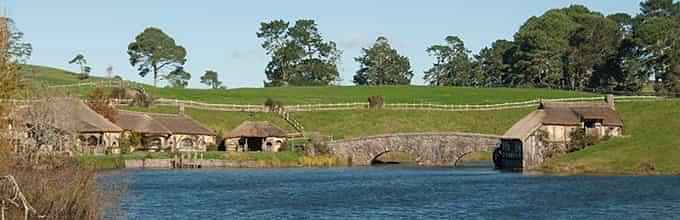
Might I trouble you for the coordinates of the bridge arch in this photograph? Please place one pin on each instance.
(430, 149)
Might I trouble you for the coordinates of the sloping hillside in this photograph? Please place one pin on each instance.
(651, 144)
(320, 95)
(52, 76)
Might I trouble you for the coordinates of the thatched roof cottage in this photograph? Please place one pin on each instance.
(166, 131)
(548, 130)
(255, 136)
(71, 116)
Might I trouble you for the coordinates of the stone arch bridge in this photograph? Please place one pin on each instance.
(430, 149)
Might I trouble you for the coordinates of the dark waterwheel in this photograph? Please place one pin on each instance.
(498, 158)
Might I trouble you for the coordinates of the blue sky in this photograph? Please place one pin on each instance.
(220, 35)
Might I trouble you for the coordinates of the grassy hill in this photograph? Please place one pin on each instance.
(358, 123)
(317, 95)
(345, 94)
(52, 76)
(651, 144)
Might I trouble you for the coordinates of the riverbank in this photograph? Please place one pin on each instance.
(215, 159)
(650, 146)
(211, 159)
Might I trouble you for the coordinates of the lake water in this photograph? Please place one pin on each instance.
(394, 192)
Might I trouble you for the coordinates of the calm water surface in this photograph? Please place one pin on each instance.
(392, 192)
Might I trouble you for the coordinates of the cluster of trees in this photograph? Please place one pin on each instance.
(155, 52)
(300, 55)
(570, 48)
(577, 49)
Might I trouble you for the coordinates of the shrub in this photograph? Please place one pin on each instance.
(83, 76)
(212, 147)
(376, 102)
(580, 139)
(317, 146)
(98, 101)
(118, 93)
(273, 105)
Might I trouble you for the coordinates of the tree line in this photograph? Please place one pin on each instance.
(572, 48)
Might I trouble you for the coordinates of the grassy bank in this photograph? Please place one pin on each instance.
(262, 159)
(351, 124)
(358, 123)
(651, 144)
(316, 95)
(345, 94)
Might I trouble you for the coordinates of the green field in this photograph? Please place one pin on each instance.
(351, 94)
(351, 124)
(320, 95)
(52, 76)
(357, 123)
(652, 140)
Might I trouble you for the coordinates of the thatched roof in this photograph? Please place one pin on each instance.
(180, 124)
(140, 122)
(152, 123)
(69, 114)
(525, 127)
(563, 114)
(574, 113)
(256, 130)
(87, 120)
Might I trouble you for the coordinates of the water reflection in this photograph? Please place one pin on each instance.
(387, 192)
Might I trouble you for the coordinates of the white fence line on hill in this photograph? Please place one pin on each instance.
(393, 106)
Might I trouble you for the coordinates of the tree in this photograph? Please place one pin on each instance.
(210, 78)
(382, 65)
(658, 8)
(590, 45)
(80, 60)
(300, 56)
(452, 66)
(17, 49)
(101, 103)
(495, 64)
(155, 52)
(178, 78)
(659, 39)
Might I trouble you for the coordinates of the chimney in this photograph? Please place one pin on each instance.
(181, 108)
(610, 101)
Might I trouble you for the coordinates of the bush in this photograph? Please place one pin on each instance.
(118, 93)
(83, 76)
(317, 146)
(376, 102)
(273, 105)
(133, 140)
(580, 140)
(212, 147)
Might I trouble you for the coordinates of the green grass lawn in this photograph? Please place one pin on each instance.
(357, 123)
(52, 76)
(351, 124)
(316, 95)
(652, 132)
(351, 94)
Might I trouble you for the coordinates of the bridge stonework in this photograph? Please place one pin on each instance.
(430, 149)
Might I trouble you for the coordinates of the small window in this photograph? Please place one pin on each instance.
(187, 143)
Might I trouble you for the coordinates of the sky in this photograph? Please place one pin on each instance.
(220, 35)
